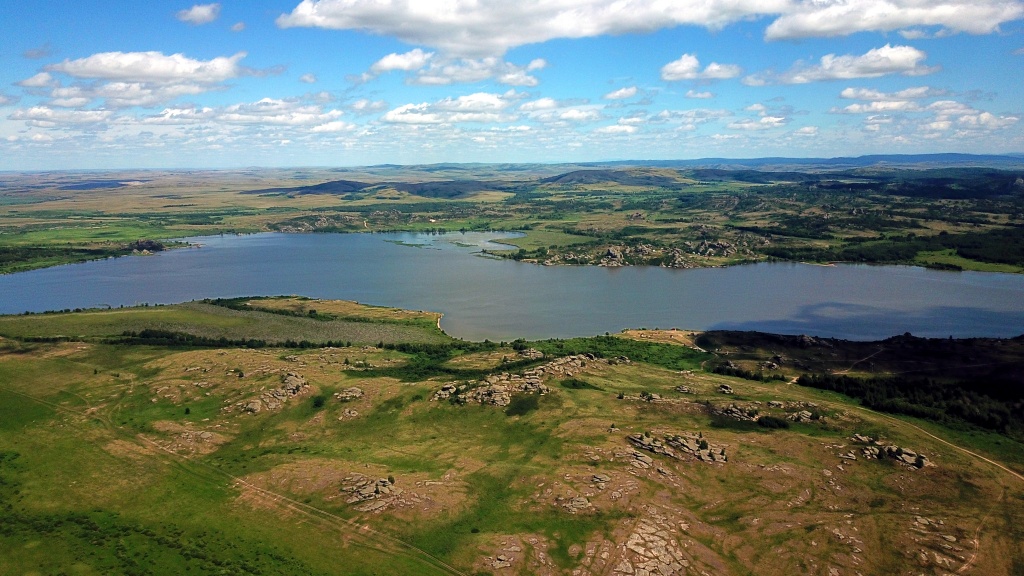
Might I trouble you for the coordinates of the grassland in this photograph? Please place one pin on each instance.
(962, 218)
(120, 458)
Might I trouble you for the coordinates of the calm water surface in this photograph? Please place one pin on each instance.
(499, 299)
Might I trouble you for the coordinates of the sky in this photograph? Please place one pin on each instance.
(89, 84)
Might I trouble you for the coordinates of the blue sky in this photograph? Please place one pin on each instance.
(108, 84)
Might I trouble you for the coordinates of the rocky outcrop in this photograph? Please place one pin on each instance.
(677, 446)
(349, 394)
(497, 389)
(292, 385)
(872, 448)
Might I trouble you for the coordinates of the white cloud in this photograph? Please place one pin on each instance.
(481, 107)
(365, 106)
(154, 67)
(467, 70)
(877, 62)
(580, 115)
(335, 126)
(687, 67)
(308, 78)
(540, 104)
(914, 93)
(6, 100)
(699, 95)
(44, 116)
(411, 60)
(617, 129)
(433, 71)
(817, 18)
(621, 93)
(412, 114)
(40, 80)
(181, 116)
(273, 111)
(238, 26)
(807, 131)
(490, 27)
(200, 14)
(881, 106)
(762, 123)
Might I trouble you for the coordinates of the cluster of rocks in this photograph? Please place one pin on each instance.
(531, 354)
(876, 449)
(372, 494)
(573, 505)
(349, 394)
(725, 389)
(735, 412)
(656, 552)
(684, 389)
(675, 446)
(802, 416)
(497, 389)
(292, 384)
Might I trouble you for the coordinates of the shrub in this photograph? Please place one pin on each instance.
(772, 422)
(522, 405)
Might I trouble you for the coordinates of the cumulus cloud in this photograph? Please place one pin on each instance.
(762, 123)
(881, 106)
(481, 107)
(888, 59)
(490, 27)
(817, 18)
(540, 104)
(46, 117)
(621, 93)
(366, 106)
(6, 100)
(334, 126)
(466, 70)
(40, 80)
(699, 95)
(580, 115)
(433, 71)
(968, 118)
(200, 14)
(807, 131)
(275, 111)
(238, 26)
(308, 78)
(411, 60)
(617, 129)
(687, 67)
(914, 93)
(154, 67)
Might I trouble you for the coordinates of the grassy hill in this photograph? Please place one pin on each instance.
(433, 456)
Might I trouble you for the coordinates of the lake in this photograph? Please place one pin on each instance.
(484, 297)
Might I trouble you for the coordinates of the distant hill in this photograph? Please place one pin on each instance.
(781, 163)
(623, 177)
(332, 187)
